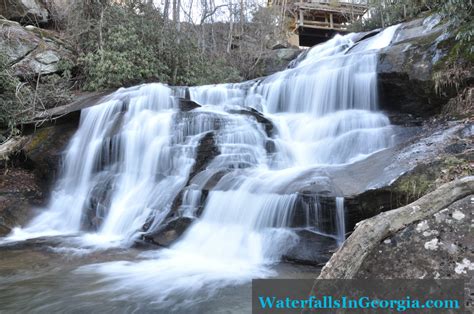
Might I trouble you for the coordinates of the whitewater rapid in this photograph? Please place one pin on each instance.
(133, 155)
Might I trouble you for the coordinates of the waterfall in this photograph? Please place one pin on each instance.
(341, 220)
(267, 140)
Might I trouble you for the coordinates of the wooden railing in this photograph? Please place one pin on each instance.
(328, 14)
(358, 7)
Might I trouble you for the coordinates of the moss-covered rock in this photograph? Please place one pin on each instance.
(44, 148)
(421, 180)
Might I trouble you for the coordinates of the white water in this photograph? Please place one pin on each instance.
(132, 155)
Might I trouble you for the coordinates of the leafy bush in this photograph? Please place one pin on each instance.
(14, 98)
(21, 100)
(131, 43)
(385, 13)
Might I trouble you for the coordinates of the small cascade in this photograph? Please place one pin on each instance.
(341, 220)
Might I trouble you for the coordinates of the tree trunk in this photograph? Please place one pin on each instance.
(346, 262)
(166, 10)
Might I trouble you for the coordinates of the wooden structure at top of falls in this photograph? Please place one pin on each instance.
(315, 21)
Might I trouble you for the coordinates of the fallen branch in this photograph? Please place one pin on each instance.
(11, 146)
(346, 262)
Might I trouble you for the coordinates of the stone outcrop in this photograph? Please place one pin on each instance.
(169, 232)
(25, 11)
(439, 246)
(312, 249)
(278, 59)
(44, 148)
(33, 51)
(347, 261)
(407, 67)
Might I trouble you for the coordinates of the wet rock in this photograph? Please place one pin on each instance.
(278, 59)
(456, 148)
(29, 171)
(98, 203)
(170, 231)
(364, 35)
(206, 151)
(312, 249)
(406, 68)
(405, 172)
(270, 147)
(267, 124)
(45, 147)
(187, 105)
(404, 119)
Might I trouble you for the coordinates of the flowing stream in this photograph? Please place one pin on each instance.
(136, 153)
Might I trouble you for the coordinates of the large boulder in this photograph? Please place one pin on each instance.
(439, 246)
(44, 147)
(311, 249)
(348, 261)
(32, 51)
(25, 11)
(278, 59)
(169, 232)
(408, 67)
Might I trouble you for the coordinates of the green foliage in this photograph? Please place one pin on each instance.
(453, 70)
(12, 98)
(384, 13)
(51, 91)
(459, 14)
(131, 43)
(127, 51)
(20, 100)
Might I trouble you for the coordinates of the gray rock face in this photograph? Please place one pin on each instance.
(25, 11)
(278, 59)
(32, 51)
(406, 67)
(16, 41)
(170, 232)
(312, 249)
(438, 247)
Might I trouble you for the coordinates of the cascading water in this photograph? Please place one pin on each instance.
(135, 153)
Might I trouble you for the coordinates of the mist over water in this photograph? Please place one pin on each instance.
(134, 153)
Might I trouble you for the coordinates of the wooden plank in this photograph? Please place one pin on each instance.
(342, 8)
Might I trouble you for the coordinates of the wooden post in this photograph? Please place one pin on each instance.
(331, 23)
(301, 17)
